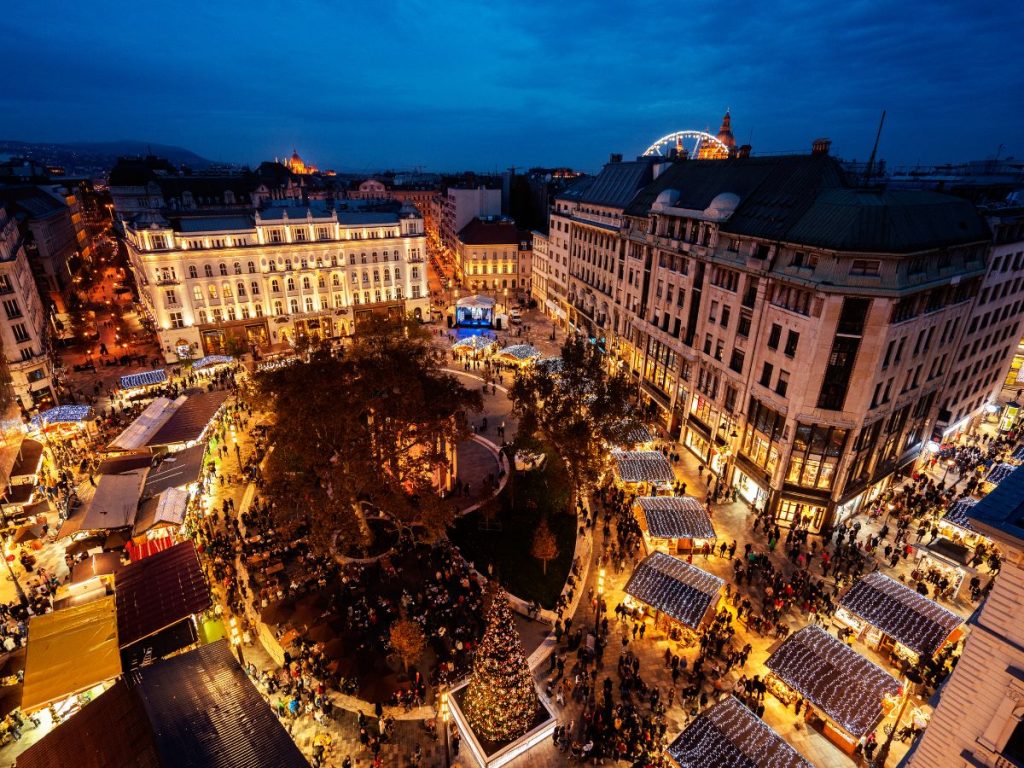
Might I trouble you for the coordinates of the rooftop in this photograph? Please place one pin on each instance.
(839, 681)
(642, 467)
(919, 623)
(496, 231)
(674, 587)
(1002, 511)
(617, 183)
(675, 517)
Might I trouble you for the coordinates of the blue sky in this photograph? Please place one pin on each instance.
(487, 85)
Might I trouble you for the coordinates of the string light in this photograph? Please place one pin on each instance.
(1018, 454)
(501, 701)
(473, 342)
(144, 379)
(999, 472)
(206, 362)
(520, 351)
(62, 414)
(917, 622)
(674, 587)
(839, 681)
(957, 514)
(642, 467)
(729, 734)
(676, 517)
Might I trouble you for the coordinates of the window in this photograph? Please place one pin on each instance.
(299, 235)
(322, 233)
(159, 242)
(212, 291)
(782, 385)
(293, 306)
(868, 267)
(774, 335)
(197, 292)
(309, 303)
(192, 271)
(259, 310)
(725, 316)
(13, 310)
(208, 270)
(252, 268)
(275, 235)
(736, 361)
(237, 268)
(792, 339)
(743, 327)
(278, 307)
(290, 283)
(170, 295)
(223, 268)
(226, 291)
(306, 286)
(766, 375)
(20, 332)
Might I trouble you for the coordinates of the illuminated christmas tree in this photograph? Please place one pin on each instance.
(501, 701)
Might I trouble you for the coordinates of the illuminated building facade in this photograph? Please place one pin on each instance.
(241, 282)
(492, 255)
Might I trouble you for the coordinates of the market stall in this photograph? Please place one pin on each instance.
(475, 311)
(680, 595)
(69, 416)
(729, 734)
(473, 344)
(212, 362)
(518, 354)
(641, 470)
(847, 695)
(896, 620)
(70, 652)
(673, 523)
(113, 505)
(945, 559)
(996, 474)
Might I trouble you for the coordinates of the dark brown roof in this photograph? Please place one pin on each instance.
(206, 713)
(29, 455)
(490, 232)
(117, 465)
(110, 732)
(189, 421)
(158, 591)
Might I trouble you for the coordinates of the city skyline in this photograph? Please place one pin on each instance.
(455, 86)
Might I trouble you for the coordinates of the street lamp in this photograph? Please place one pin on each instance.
(949, 465)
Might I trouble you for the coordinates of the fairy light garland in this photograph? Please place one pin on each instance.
(642, 467)
(729, 734)
(674, 587)
(144, 379)
(473, 342)
(917, 622)
(62, 414)
(839, 681)
(958, 513)
(520, 351)
(999, 472)
(676, 517)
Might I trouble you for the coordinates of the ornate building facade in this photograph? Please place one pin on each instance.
(253, 282)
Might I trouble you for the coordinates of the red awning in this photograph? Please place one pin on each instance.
(148, 547)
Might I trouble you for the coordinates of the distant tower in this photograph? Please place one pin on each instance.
(709, 151)
(679, 146)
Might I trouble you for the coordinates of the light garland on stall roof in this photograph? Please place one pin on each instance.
(957, 514)
(62, 414)
(729, 734)
(1018, 454)
(473, 342)
(999, 472)
(676, 517)
(839, 681)
(642, 467)
(144, 379)
(520, 351)
(674, 587)
(917, 622)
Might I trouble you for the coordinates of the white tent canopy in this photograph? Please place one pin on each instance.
(138, 433)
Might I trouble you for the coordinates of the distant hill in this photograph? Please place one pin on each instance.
(96, 158)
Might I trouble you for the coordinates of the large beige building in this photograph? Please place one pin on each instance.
(979, 720)
(492, 255)
(796, 333)
(23, 323)
(242, 281)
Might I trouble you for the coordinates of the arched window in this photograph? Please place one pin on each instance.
(278, 308)
(290, 284)
(305, 283)
(208, 270)
(213, 291)
(241, 288)
(259, 310)
(197, 292)
(252, 268)
(398, 275)
(238, 268)
(288, 265)
(192, 271)
(320, 283)
(294, 306)
(226, 291)
(387, 274)
(275, 286)
(223, 268)
(309, 303)
(202, 315)
(335, 280)
(376, 275)
(255, 288)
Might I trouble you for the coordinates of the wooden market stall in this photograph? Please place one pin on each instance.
(996, 474)
(679, 594)
(894, 619)
(729, 734)
(639, 470)
(673, 523)
(845, 692)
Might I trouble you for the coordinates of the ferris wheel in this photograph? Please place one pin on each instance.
(691, 141)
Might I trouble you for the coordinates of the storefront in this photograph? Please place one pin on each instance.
(801, 513)
(698, 445)
(749, 489)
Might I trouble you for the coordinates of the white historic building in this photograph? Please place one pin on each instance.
(242, 281)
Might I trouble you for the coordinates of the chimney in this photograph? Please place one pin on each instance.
(615, 157)
(820, 146)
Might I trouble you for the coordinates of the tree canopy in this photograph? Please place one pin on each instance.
(373, 427)
(577, 406)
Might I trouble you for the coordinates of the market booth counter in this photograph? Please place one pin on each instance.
(945, 558)
(847, 694)
(681, 596)
(643, 471)
(673, 523)
(729, 734)
(895, 620)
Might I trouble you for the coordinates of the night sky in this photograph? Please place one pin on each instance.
(452, 85)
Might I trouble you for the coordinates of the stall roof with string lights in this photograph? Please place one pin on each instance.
(642, 467)
(674, 587)
(675, 517)
(999, 472)
(838, 681)
(144, 379)
(958, 513)
(730, 734)
(922, 625)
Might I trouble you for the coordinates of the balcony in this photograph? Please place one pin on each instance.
(167, 281)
